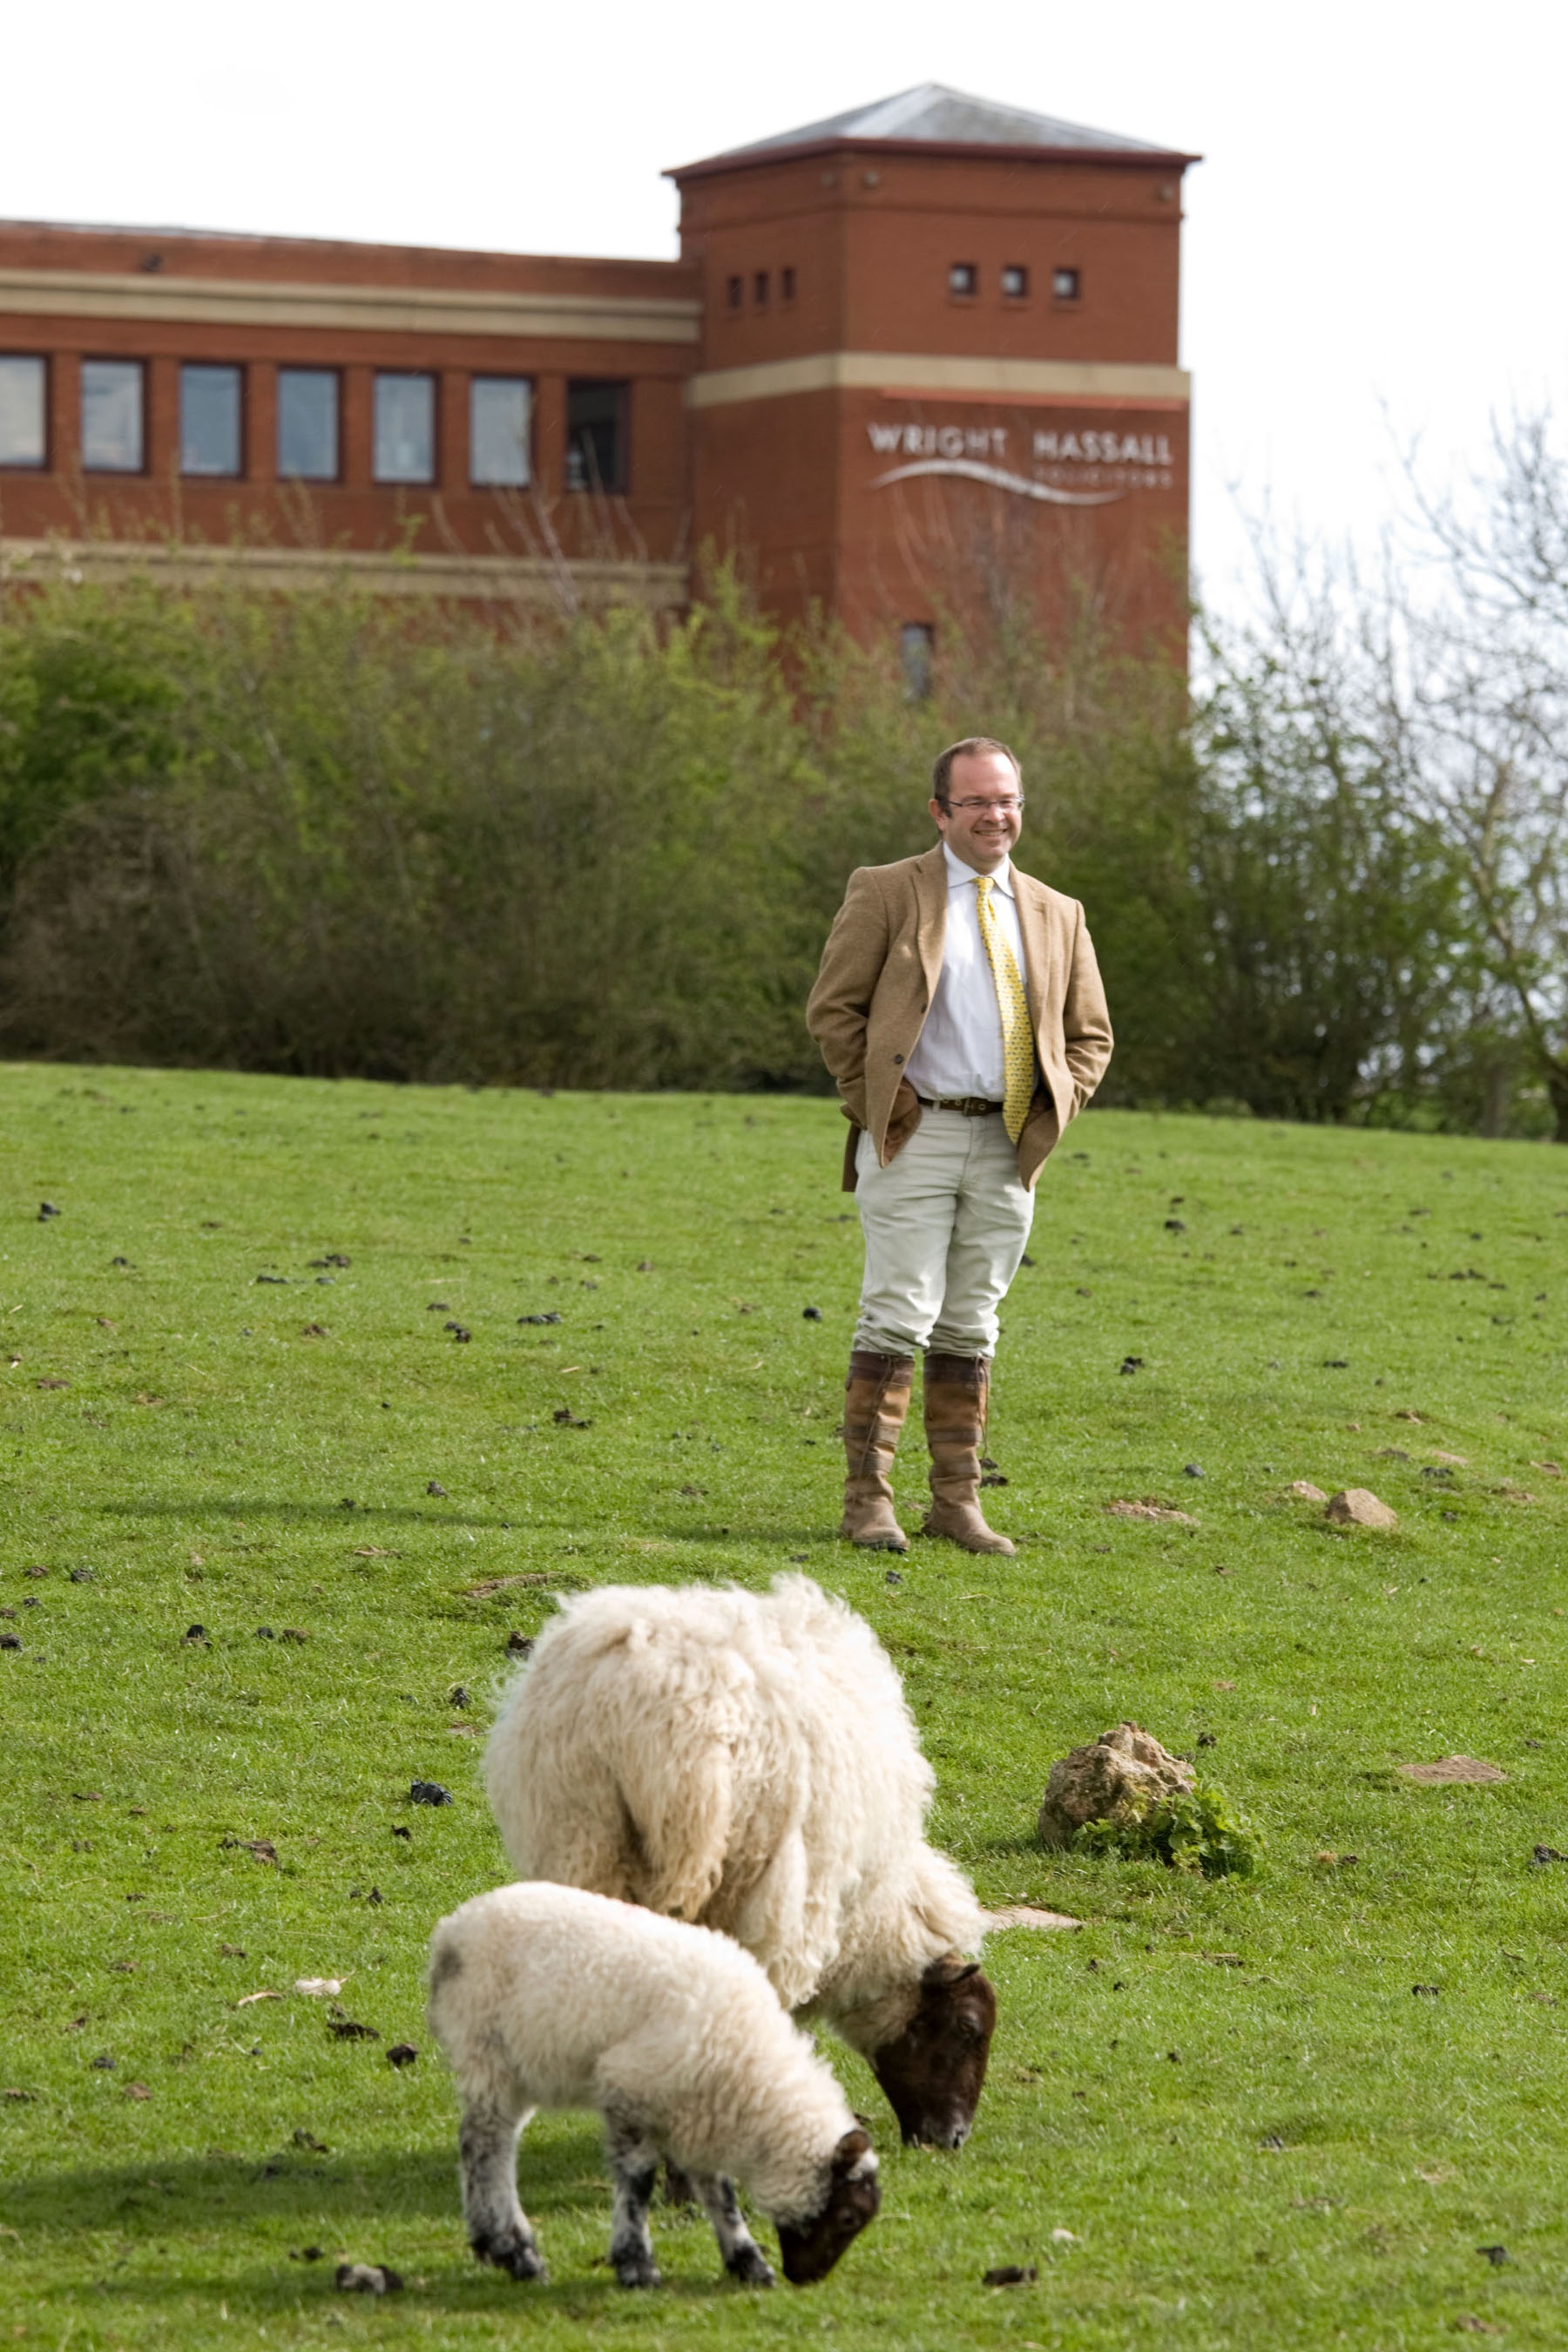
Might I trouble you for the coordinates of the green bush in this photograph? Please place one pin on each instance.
(1196, 1829)
(326, 834)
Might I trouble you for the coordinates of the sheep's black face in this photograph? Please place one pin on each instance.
(933, 2073)
(854, 2197)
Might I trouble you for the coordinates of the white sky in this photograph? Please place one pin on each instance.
(1375, 245)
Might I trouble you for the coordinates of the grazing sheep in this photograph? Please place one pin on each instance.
(546, 1997)
(748, 1761)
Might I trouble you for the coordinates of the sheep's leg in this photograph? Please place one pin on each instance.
(743, 2258)
(634, 2169)
(498, 2228)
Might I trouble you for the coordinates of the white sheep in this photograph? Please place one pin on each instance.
(748, 1761)
(546, 1997)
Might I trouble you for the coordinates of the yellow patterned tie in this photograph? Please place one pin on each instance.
(1017, 1037)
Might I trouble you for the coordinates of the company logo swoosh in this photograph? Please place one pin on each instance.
(968, 471)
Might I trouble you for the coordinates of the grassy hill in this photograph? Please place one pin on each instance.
(234, 1399)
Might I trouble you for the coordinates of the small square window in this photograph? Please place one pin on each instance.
(1065, 285)
(734, 292)
(1015, 282)
(963, 277)
(500, 414)
(405, 428)
(759, 288)
(786, 285)
(209, 420)
(24, 423)
(596, 435)
(307, 424)
(112, 402)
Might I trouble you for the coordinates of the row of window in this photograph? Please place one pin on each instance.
(762, 288)
(308, 425)
(963, 277)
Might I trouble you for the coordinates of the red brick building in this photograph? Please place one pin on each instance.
(917, 357)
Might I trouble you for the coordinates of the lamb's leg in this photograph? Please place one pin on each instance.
(743, 2258)
(634, 2169)
(498, 2228)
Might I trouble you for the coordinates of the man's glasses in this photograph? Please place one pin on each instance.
(989, 808)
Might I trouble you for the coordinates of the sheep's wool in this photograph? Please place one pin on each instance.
(744, 1760)
(544, 1996)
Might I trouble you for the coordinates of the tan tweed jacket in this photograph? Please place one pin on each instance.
(883, 959)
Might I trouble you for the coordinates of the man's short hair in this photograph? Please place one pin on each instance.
(941, 767)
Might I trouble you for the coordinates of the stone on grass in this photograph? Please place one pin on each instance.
(1358, 1506)
(1468, 1769)
(1305, 1492)
(1120, 1779)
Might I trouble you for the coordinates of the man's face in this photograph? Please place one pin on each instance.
(983, 815)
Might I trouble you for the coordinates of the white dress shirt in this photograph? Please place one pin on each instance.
(960, 1048)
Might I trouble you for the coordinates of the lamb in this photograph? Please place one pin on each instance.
(548, 1997)
(747, 1761)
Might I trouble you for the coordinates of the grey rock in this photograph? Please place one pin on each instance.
(1120, 1777)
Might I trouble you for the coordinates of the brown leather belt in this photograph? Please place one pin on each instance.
(972, 1106)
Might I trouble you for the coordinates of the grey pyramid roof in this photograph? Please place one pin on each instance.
(948, 118)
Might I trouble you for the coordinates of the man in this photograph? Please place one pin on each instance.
(959, 1007)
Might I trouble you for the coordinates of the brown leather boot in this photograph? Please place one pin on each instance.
(957, 1388)
(876, 1402)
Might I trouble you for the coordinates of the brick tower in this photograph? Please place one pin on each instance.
(938, 368)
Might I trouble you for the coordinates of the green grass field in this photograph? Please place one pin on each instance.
(1255, 2131)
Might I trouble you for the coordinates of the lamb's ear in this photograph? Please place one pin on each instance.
(948, 1969)
(849, 2156)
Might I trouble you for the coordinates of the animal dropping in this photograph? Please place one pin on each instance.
(362, 2278)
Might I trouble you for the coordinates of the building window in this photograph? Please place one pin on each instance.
(917, 648)
(113, 401)
(1065, 285)
(501, 413)
(759, 288)
(1015, 282)
(963, 277)
(24, 427)
(734, 292)
(786, 285)
(209, 420)
(596, 419)
(405, 428)
(307, 424)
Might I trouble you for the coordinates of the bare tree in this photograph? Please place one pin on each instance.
(1475, 680)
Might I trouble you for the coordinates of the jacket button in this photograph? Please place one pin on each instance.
(897, 1058)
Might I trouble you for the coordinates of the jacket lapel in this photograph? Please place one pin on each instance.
(930, 896)
(1037, 943)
